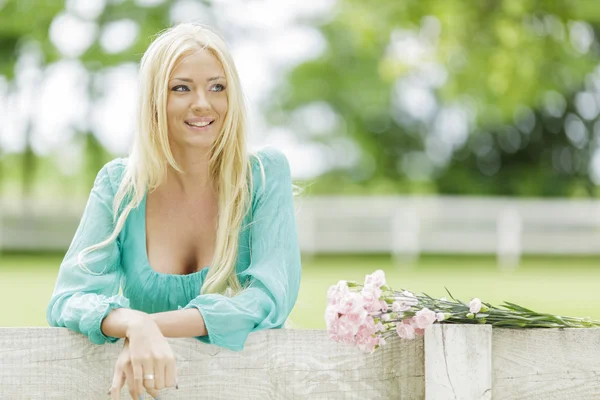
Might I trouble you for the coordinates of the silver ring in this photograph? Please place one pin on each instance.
(149, 377)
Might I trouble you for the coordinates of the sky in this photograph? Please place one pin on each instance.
(265, 41)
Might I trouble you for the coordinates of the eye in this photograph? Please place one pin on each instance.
(181, 88)
(218, 85)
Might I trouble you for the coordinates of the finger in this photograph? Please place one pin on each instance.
(117, 384)
(170, 374)
(149, 373)
(131, 382)
(159, 375)
(154, 393)
(138, 376)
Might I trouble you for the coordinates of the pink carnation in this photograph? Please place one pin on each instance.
(384, 306)
(412, 321)
(333, 330)
(367, 344)
(398, 306)
(405, 331)
(376, 279)
(331, 317)
(358, 317)
(370, 297)
(346, 329)
(350, 302)
(424, 318)
(336, 292)
(367, 327)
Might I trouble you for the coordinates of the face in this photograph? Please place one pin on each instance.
(197, 97)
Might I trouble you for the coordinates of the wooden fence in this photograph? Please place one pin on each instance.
(451, 362)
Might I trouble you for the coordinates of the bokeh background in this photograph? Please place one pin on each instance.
(450, 143)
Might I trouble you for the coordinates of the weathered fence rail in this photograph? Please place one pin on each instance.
(451, 362)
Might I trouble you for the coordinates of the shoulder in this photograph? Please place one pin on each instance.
(272, 160)
(111, 174)
(270, 172)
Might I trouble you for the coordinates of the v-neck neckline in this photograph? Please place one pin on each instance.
(145, 245)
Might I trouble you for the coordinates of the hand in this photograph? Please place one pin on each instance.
(124, 373)
(146, 352)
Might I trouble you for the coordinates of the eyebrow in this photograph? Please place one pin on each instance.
(214, 78)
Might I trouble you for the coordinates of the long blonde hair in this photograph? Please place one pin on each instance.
(151, 155)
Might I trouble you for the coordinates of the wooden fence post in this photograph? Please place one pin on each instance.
(458, 362)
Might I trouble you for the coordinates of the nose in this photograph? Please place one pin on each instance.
(201, 102)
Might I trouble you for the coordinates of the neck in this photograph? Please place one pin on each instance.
(195, 178)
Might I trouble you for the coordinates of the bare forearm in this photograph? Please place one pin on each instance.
(181, 323)
(119, 320)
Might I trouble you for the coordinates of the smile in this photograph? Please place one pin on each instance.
(199, 126)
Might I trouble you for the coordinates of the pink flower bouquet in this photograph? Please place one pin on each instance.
(366, 315)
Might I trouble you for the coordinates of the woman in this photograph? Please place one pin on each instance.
(199, 234)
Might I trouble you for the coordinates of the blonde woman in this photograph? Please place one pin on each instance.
(199, 233)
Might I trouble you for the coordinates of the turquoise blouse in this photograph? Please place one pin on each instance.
(268, 259)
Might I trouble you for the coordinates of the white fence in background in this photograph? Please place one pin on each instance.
(470, 362)
(403, 226)
(410, 226)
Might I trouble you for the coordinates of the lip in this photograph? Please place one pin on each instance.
(199, 119)
(199, 128)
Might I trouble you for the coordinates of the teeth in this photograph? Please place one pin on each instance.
(199, 124)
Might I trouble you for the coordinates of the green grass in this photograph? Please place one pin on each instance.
(560, 285)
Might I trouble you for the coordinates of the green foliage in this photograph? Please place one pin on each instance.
(26, 21)
(150, 21)
(493, 58)
(22, 21)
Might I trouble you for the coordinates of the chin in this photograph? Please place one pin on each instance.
(198, 143)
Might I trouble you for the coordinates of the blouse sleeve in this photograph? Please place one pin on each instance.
(81, 300)
(274, 271)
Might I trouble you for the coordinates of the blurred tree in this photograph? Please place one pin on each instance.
(149, 20)
(460, 97)
(22, 22)
(27, 22)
